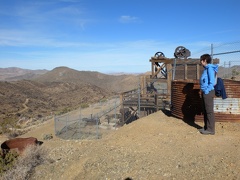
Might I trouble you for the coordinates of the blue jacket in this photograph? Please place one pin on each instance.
(220, 89)
(207, 80)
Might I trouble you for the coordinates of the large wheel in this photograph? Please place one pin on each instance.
(181, 52)
(159, 54)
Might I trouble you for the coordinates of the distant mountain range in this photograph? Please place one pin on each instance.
(14, 74)
(65, 74)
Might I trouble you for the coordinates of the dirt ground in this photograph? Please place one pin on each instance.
(153, 147)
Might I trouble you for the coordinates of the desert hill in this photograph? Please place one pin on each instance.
(57, 91)
(229, 72)
(14, 73)
(31, 100)
(115, 83)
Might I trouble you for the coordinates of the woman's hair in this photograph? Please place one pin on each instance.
(207, 57)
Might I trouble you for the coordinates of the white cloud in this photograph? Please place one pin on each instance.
(128, 19)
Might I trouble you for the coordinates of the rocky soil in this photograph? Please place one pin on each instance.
(153, 147)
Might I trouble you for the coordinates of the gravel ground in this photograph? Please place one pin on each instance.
(153, 147)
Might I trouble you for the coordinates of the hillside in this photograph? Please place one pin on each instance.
(115, 83)
(31, 100)
(14, 74)
(55, 92)
(154, 147)
(65, 74)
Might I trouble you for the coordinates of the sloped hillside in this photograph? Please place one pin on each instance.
(14, 73)
(151, 148)
(113, 83)
(30, 99)
(57, 91)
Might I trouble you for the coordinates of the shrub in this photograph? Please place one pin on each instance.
(23, 167)
(103, 100)
(8, 124)
(84, 105)
(65, 110)
(8, 161)
(235, 72)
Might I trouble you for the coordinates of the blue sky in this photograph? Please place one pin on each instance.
(110, 35)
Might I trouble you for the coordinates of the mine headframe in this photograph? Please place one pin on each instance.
(159, 66)
(159, 61)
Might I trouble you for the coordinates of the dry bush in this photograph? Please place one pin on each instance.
(25, 164)
(8, 161)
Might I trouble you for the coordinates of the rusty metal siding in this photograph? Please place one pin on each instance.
(227, 106)
(232, 88)
(187, 105)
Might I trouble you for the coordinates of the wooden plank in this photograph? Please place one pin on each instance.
(169, 78)
(185, 71)
(179, 61)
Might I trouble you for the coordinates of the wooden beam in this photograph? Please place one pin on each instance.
(179, 61)
(185, 71)
(169, 78)
(198, 71)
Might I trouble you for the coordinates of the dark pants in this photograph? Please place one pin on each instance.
(209, 119)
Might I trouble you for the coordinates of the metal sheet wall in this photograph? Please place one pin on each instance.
(187, 104)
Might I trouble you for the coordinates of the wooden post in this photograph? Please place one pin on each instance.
(185, 71)
(169, 78)
(143, 85)
(198, 71)
(156, 102)
(153, 69)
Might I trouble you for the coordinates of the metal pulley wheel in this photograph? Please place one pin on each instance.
(159, 54)
(182, 52)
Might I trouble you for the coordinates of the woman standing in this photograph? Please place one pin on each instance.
(207, 83)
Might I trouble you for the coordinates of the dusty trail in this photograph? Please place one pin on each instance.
(25, 107)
